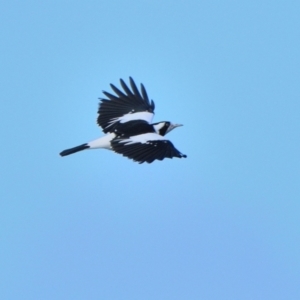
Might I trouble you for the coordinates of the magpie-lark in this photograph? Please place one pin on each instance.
(126, 120)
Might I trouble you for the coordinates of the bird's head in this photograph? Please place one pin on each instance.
(162, 128)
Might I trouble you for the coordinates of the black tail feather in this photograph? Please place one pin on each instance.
(74, 150)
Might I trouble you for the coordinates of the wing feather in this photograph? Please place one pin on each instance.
(145, 148)
(124, 106)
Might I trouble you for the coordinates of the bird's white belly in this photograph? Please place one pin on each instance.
(103, 142)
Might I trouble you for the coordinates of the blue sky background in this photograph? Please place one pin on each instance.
(221, 224)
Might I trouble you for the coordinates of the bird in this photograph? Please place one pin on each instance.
(126, 119)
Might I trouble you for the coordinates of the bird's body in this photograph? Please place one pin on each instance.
(126, 119)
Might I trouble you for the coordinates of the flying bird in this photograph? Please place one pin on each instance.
(126, 119)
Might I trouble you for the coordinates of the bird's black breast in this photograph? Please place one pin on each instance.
(132, 128)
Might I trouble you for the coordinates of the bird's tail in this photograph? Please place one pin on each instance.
(74, 150)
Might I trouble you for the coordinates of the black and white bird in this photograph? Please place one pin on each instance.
(126, 120)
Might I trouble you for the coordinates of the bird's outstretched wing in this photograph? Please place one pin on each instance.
(145, 148)
(124, 107)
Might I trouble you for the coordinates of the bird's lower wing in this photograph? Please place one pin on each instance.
(145, 150)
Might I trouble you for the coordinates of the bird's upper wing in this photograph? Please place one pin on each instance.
(124, 107)
(145, 147)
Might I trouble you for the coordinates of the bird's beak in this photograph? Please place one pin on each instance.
(177, 125)
(172, 126)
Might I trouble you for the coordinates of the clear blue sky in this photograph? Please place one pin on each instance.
(221, 224)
